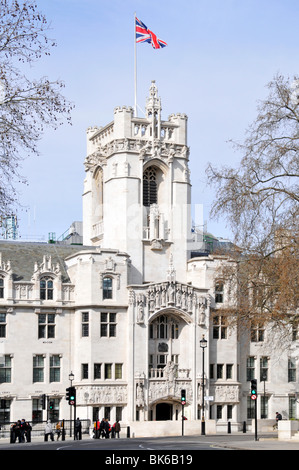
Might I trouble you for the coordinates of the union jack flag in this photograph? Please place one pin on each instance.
(143, 34)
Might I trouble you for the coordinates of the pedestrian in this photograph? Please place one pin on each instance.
(97, 429)
(18, 431)
(278, 417)
(102, 428)
(116, 426)
(22, 430)
(28, 429)
(78, 429)
(13, 433)
(58, 430)
(49, 431)
(107, 428)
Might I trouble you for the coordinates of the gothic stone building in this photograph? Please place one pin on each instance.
(125, 312)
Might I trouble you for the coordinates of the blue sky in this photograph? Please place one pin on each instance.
(220, 56)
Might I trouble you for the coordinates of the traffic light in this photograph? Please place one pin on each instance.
(51, 405)
(253, 389)
(43, 399)
(71, 395)
(183, 397)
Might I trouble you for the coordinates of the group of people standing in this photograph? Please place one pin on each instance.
(59, 429)
(20, 431)
(103, 429)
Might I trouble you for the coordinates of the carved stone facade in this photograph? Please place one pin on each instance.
(126, 311)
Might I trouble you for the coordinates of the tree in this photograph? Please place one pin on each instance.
(260, 200)
(27, 106)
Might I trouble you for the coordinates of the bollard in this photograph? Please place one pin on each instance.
(229, 427)
(128, 431)
(244, 426)
(63, 431)
(46, 438)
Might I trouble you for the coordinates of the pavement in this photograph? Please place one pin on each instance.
(237, 441)
(248, 442)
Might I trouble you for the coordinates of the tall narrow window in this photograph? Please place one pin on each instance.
(38, 368)
(1, 287)
(118, 371)
(55, 368)
(5, 370)
(97, 370)
(108, 371)
(219, 292)
(85, 324)
(5, 411)
(162, 327)
(291, 370)
(46, 288)
(84, 371)
(250, 368)
(149, 186)
(107, 288)
(2, 325)
(264, 367)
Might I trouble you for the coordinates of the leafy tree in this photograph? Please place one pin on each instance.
(260, 200)
(27, 106)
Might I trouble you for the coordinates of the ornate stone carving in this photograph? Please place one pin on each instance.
(101, 394)
(171, 389)
(226, 393)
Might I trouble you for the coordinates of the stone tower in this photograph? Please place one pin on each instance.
(137, 190)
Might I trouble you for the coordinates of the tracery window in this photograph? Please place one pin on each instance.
(150, 186)
(46, 288)
(164, 327)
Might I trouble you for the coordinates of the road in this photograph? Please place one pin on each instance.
(159, 450)
(165, 444)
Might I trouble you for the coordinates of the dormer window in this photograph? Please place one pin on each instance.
(46, 288)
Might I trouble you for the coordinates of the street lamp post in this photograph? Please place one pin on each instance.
(71, 378)
(264, 378)
(203, 344)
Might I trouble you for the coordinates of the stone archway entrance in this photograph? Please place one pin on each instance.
(164, 412)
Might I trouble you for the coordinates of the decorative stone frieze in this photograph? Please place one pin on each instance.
(101, 394)
(226, 393)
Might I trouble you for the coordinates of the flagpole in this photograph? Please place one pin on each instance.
(135, 67)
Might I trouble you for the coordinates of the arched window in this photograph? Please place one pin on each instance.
(46, 288)
(107, 288)
(162, 327)
(149, 186)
